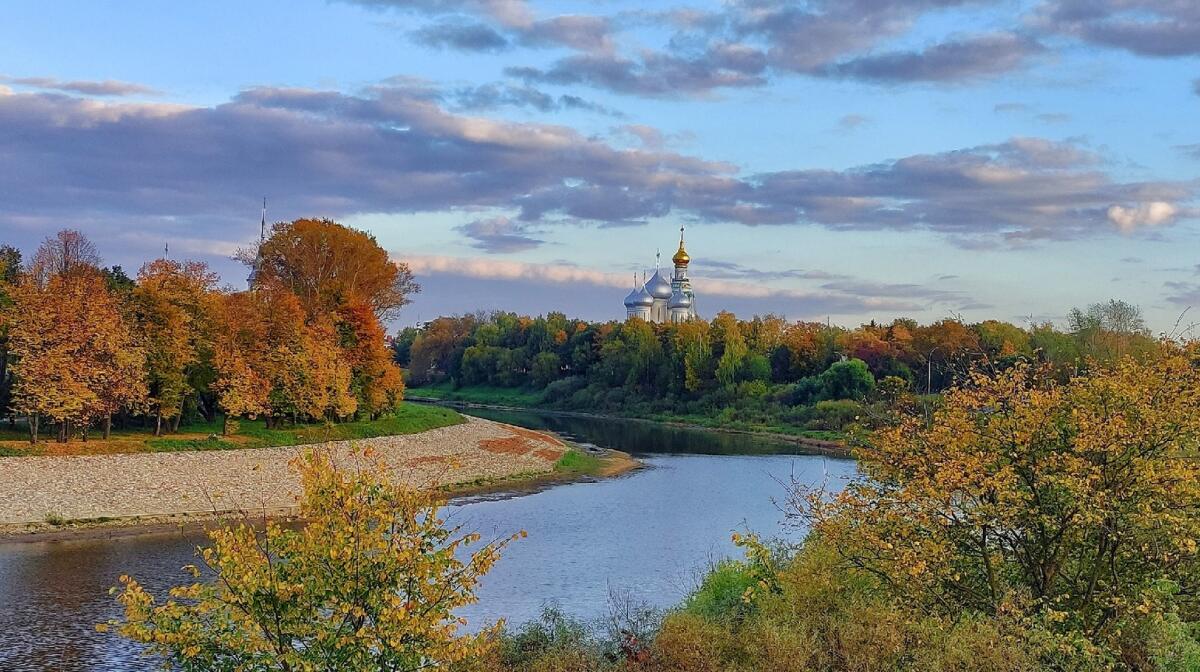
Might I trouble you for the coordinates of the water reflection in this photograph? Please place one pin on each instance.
(642, 437)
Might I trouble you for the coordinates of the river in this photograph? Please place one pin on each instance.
(647, 535)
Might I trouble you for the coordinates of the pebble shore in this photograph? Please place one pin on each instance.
(146, 485)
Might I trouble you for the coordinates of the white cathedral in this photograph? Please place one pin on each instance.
(657, 300)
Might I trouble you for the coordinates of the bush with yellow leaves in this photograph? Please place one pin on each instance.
(369, 581)
(1073, 507)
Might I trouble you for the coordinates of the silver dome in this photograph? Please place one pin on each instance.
(644, 298)
(632, 299)
(658, 286)
(680, 300)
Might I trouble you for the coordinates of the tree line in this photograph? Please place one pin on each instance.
(758, 370)
(83, 346)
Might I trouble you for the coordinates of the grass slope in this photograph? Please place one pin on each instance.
(408, 419)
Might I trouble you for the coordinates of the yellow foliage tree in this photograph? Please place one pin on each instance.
(1075, 504)
(173, 301)
(370, 582)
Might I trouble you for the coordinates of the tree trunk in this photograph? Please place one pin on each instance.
(175, 422)
(86, 427)
(225, 425)
(107, 426)
(62, 431)
(158, 423)
(33, 429)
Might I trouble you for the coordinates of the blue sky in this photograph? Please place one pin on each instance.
(851, 159)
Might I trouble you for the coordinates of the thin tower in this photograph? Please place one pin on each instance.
(252, 279)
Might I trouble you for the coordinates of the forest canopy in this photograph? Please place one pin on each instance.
(765, 372)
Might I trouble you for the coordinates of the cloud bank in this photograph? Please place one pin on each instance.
(396, 148)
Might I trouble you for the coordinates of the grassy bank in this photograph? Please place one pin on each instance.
(535, 400)
(409, 418)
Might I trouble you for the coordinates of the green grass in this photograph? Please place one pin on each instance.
(409, 418)
(481, 394)
(578, 462)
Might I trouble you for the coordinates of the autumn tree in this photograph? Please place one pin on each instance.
(1110, 330)
(328, 265)
(372, 581)
(944, 348)
(76, 358)
(1074, 505)
(64, 254)
(173, 301)
(438, 348)
(375, 378)
(239, 333)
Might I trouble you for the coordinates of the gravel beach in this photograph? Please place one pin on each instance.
(146, 485)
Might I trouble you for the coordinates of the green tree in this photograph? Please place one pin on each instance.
(850, 379)
(728, 334)
(546, 369)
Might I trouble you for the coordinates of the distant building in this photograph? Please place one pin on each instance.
(659, 300)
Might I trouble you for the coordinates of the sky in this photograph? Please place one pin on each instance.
(849, 160)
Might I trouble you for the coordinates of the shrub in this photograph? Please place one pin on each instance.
(827, 415)
(370, 582)
(565, 388)
(721, 592)
(552, 643)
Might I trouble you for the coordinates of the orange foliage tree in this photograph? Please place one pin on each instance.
(76, 360)
(328, 266)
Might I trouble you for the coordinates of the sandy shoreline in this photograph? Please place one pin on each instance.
(104, 492)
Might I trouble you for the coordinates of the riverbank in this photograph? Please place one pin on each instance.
(60, 495)
(809, 444)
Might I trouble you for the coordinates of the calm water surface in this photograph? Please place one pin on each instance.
(648, 534)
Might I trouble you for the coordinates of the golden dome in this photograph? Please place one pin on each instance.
(681, 257)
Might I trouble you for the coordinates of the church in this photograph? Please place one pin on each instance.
(658, 300)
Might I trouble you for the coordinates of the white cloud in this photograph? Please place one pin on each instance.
(872, 295)
(1153, 213)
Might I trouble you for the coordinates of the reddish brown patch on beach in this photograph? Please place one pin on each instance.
(513, 445)
(549, 454)
(536, 436)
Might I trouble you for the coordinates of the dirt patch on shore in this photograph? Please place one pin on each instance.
(549, 454)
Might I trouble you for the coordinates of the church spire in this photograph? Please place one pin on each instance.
(681, 257)
(252, 279)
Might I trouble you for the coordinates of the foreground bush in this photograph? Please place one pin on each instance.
(369, 582)
(1072, 507)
